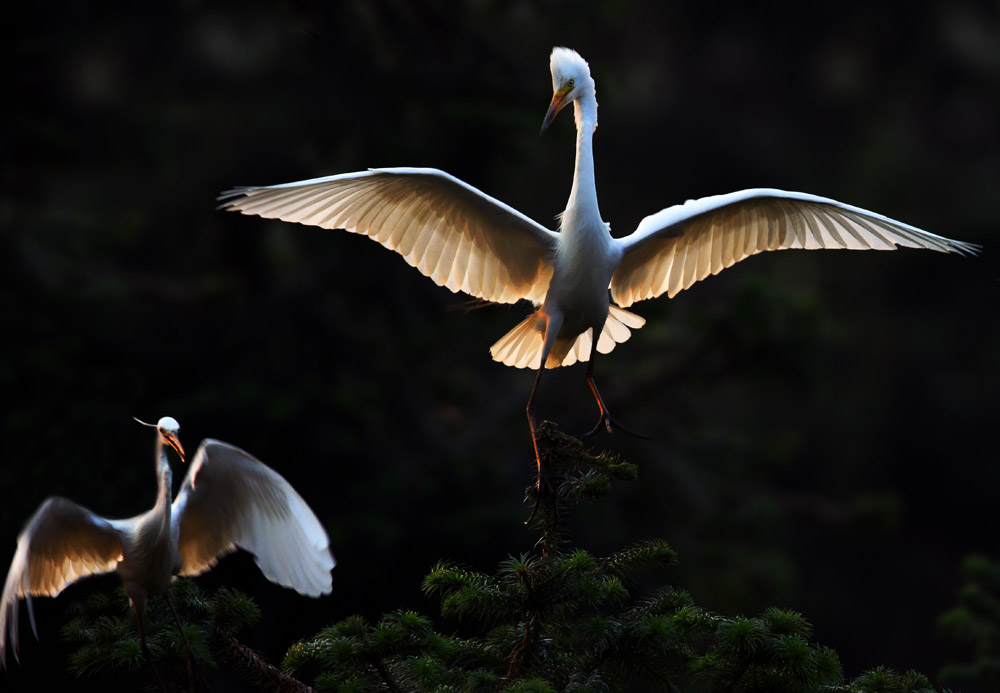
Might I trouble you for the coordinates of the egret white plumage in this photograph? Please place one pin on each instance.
(467, 241)
(228, 500)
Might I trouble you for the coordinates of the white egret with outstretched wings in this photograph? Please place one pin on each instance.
(467, 241)
(228, 500)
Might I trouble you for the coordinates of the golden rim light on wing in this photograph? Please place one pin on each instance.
(458, 236)
(683, 244)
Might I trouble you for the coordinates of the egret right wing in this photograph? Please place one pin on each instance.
(453, 233)
(231, 499)
(683, 244)
(62, 543)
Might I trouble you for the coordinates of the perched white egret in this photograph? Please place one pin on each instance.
(229, 499)
(468, 241)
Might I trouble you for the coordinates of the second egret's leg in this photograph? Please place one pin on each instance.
(145, 649)
(187, 645)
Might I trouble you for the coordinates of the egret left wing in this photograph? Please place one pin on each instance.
(683, 244)
(452, 232)
(231, 499)
(61, 543)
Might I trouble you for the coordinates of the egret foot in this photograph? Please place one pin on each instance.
(548, 488)
(545, 513)
(608, 422)
(606, 419)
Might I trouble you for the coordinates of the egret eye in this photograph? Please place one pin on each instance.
(571, 83)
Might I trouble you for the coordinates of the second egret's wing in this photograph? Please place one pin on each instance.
(683, 244)
(453, 233)
(61, 543)
(230, 499)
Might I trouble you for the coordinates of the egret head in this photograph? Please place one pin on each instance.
(570, 80)
(168, 428)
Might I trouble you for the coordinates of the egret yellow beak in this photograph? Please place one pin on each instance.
(559, 101)
(174, 442)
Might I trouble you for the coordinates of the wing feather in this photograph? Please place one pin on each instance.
(60, 544)
(231, 500)
(447, 256)
(447, 229)
(683, 244)
(676, 269)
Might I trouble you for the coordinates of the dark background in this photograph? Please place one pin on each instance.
(824, 423)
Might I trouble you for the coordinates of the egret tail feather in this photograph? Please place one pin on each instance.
(522, 346)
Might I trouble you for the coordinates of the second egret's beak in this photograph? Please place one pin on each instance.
(174, 442)
(559, 100)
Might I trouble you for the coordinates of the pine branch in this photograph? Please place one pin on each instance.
(257, 670)
(569, 475)
(386, 676)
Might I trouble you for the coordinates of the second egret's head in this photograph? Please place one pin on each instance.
(570, 80)
(168, 428)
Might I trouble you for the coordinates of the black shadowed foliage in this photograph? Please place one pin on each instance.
(567, 620)
(975, 622)
(102, 629)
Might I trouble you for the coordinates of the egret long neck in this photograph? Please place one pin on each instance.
(583, 196)
(164, 479)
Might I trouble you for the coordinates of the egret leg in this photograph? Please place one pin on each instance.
(145, 650)
(605, 420)
(532, 422)
(187, 645)
(552, 325)
(533, 425)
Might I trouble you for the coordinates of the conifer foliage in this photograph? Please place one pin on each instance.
(104, 632)
(566, 620)
(976, 621)
(557, 619)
